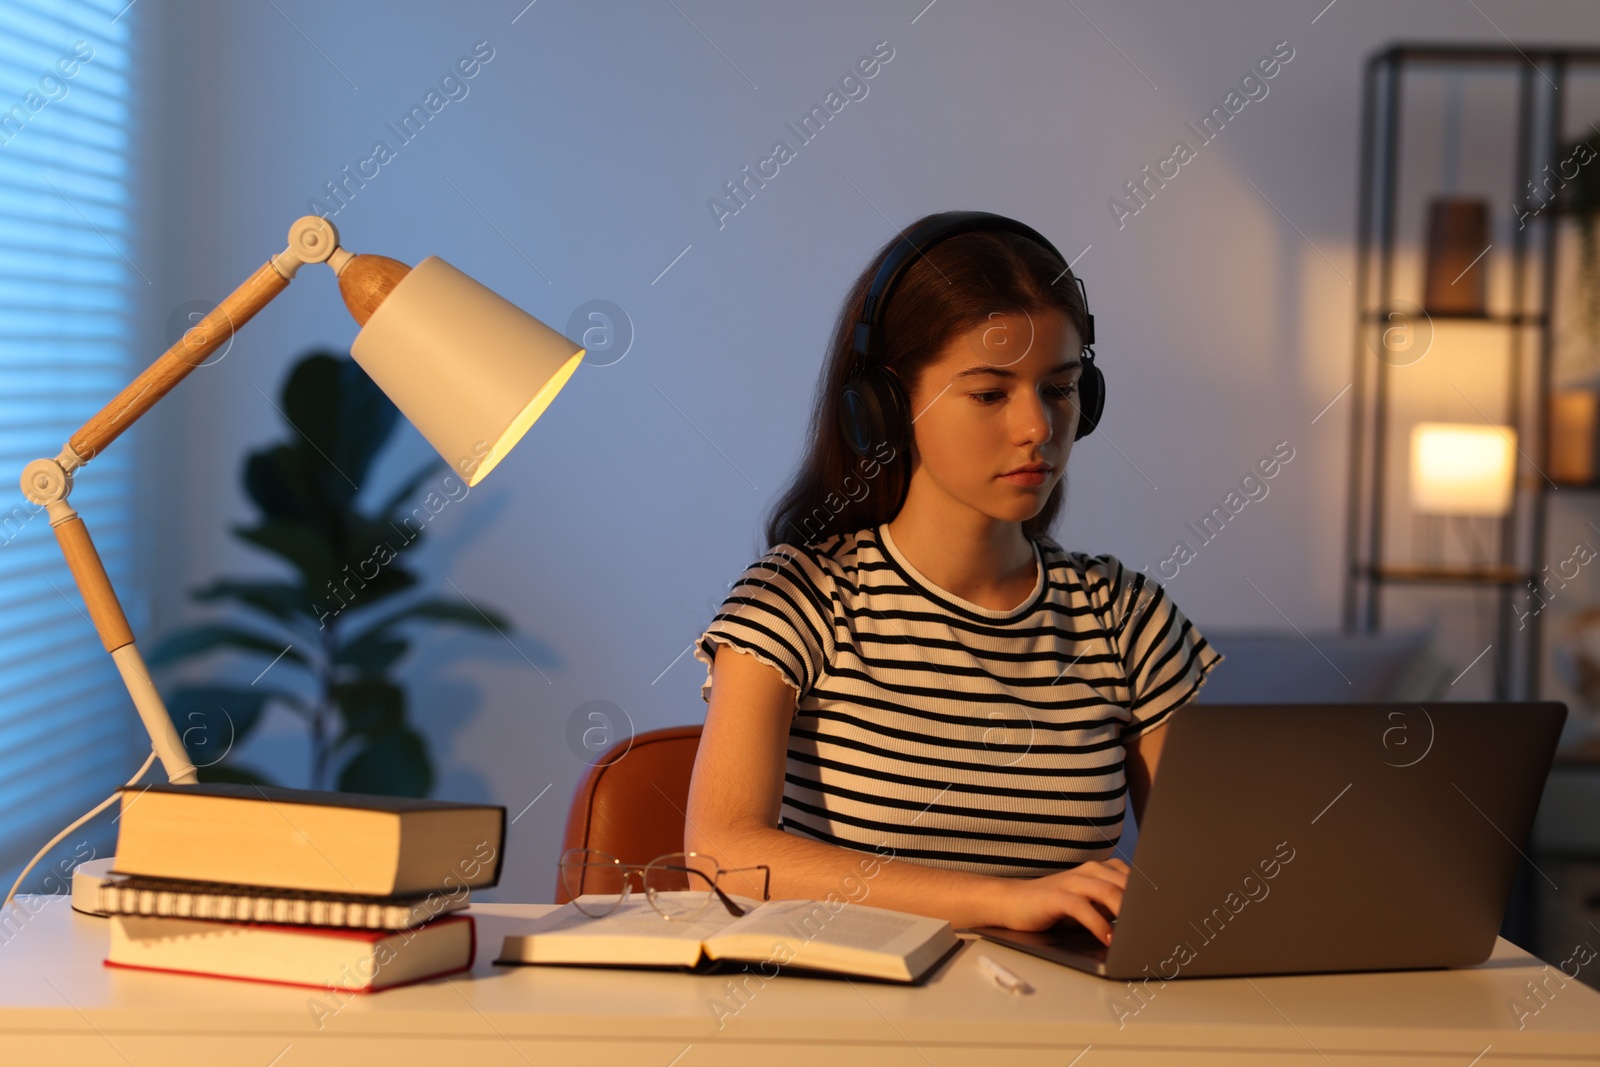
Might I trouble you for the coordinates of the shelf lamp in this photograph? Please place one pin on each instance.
(1461, 468)
(469, 369)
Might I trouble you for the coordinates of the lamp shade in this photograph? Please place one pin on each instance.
(1462, 468)
(468, 368)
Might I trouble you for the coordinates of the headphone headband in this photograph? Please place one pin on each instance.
(915, 243)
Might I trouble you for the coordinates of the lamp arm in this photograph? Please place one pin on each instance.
(47, 482)
(311, 240)
(105, 611)
(189, 352)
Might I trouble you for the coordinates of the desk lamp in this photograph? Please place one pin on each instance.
(468, 368)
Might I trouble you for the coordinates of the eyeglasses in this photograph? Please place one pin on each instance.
(588, 870)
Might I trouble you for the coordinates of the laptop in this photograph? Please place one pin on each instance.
(1312, 838)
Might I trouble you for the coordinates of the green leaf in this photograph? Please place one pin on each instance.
(210, 637)
(233, 773)
(298, 543)
(270, 484)
(284, 601)
(374, 546)
(387, 582)
(291, 482)
(377, 540)
(393, 763)
(340, 410)
(435, 610)
(370, 706)
(381, 544)
(368, 572)
(373, 654)
(212, 719)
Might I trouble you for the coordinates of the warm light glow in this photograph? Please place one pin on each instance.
(1462, 469)
(527, 418)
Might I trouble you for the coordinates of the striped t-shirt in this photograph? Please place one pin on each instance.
(960, 736)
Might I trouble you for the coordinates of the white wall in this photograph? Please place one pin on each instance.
(589, 146)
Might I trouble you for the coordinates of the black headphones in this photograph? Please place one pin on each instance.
(873, 405)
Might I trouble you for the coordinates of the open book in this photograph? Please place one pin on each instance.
(804, 936)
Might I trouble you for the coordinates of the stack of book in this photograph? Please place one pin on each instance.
(337, 890)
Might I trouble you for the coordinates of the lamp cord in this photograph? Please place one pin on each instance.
(56, 840)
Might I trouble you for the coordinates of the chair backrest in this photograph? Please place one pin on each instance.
(634, 800)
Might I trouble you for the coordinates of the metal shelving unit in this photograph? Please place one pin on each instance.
(1541, 76)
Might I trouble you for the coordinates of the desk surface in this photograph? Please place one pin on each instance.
(59, 1004)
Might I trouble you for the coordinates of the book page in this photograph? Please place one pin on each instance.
(853, 938)
(854, 925)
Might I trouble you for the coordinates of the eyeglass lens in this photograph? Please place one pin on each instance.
(675, 873)
(586, 870)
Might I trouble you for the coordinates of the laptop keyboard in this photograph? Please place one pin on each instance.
(1077, 939)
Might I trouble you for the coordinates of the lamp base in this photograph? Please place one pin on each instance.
(87, 878)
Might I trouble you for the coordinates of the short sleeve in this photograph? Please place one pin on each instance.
(1164, 658)
(780, 611)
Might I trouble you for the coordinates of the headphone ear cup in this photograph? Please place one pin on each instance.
(1091, 398)
(872, 408)
(896, 408)
(855, 416)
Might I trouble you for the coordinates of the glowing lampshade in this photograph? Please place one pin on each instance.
(468, 368)
(1462, 468)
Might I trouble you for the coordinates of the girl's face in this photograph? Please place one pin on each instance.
(1001, 396)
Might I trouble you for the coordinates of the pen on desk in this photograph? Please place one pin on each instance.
(1002, 977)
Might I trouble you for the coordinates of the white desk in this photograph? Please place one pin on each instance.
(60, 1006)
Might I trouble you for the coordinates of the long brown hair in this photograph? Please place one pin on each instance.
(955, 285)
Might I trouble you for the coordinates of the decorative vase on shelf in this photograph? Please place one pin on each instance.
(1456, 271)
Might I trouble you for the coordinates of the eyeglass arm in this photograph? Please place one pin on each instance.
(727, 902)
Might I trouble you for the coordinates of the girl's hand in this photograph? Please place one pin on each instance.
(1084, 894)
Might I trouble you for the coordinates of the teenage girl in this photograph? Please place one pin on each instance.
(917, 698)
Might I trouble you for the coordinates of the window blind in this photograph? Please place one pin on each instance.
(69, 734)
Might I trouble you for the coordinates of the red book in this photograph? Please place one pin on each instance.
(361, 961)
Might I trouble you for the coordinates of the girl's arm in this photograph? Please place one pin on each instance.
(1143, 756)
(737, 791)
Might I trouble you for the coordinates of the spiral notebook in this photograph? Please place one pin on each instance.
(224, 902)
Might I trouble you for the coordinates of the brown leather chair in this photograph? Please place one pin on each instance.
(633, 802)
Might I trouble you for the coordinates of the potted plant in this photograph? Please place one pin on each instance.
(1578, 195)
(329, 634)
